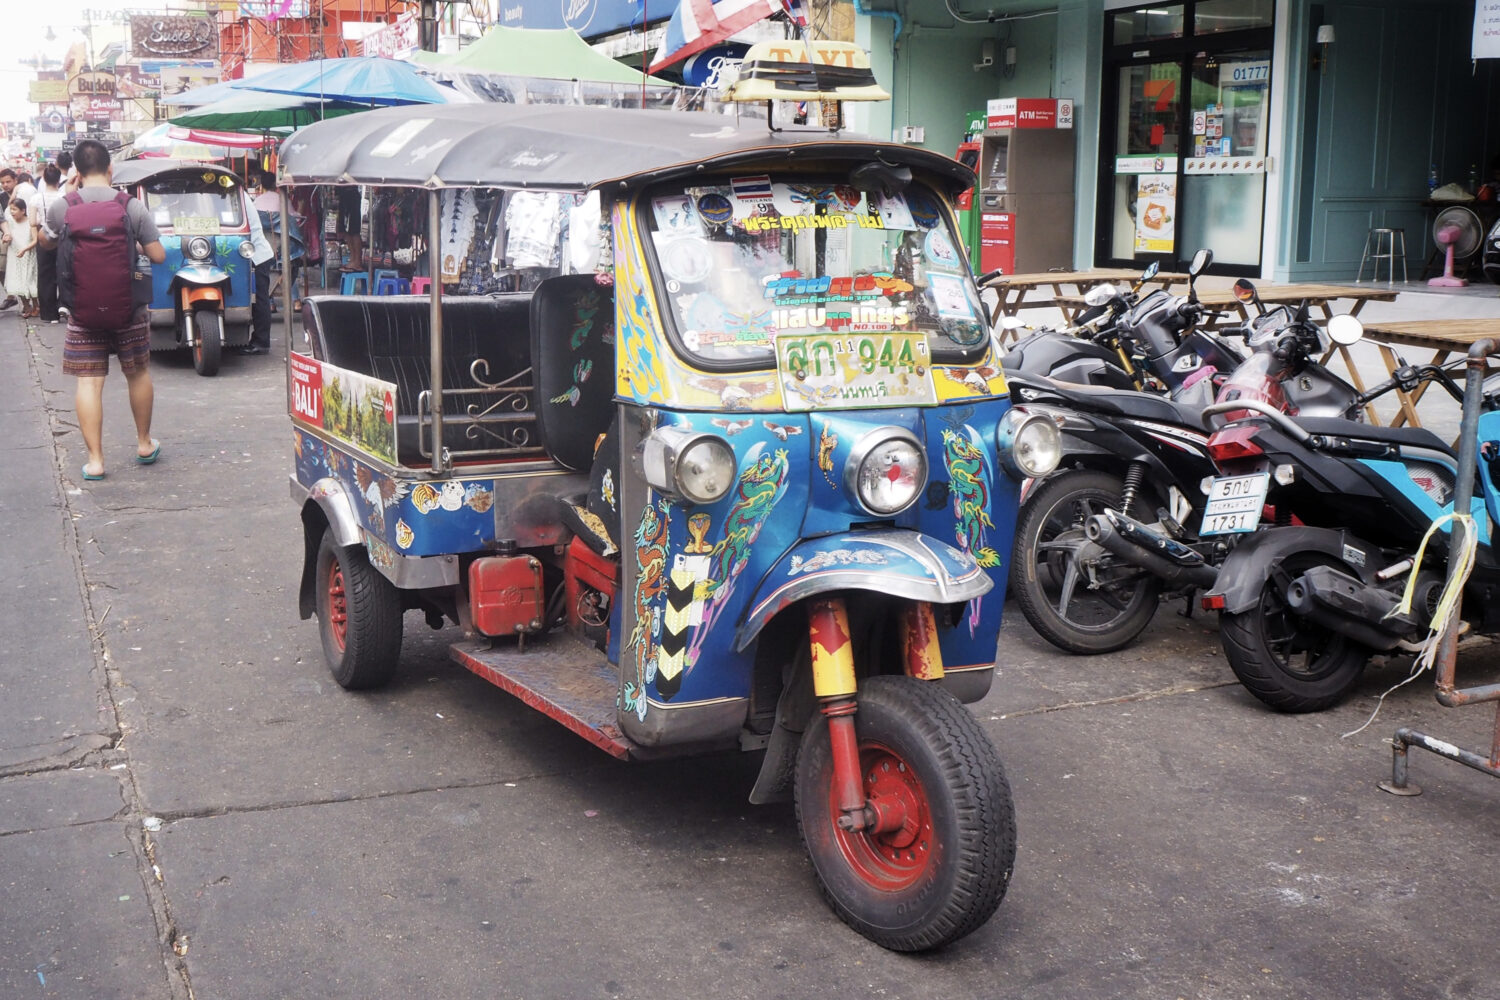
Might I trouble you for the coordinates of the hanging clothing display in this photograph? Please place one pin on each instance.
(534, 220)
(457, 228)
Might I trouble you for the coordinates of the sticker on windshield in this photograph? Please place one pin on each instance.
(893, 211)
(940, 250)
(752, 191)
(950, 298)
(924, 211)
(675, 215)
(715, 208)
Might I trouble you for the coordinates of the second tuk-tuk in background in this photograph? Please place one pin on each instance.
(200, 296)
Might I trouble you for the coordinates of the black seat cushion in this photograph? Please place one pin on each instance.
(573, 346)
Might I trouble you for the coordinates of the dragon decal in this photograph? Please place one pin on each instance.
(969, 490)
(650, 582)
(762, 483)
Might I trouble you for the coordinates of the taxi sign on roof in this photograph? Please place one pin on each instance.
(780, 71)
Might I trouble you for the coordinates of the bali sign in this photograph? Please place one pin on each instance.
(183, 37)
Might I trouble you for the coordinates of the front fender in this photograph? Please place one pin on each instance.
(896, 562)
(1245, 570)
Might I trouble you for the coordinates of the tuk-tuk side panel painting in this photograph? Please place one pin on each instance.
(426, 519)
(695, 568)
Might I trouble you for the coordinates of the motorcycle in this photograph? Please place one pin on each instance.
(1125, 341)
(1305, 603)
(201, 293)
(1100, 541)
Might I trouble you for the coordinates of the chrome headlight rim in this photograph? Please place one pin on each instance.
(862, 450)
(661, 456)
(1015, 452)
(198, 248)
(247, 249)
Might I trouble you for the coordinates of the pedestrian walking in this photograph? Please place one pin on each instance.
(99, 233)
(46, 258)
(261, 256)
(20, 264)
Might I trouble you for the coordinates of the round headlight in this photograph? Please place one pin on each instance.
(199, 248)
(705, 470)
(1030, 444)
(886, 470)
(247, 249)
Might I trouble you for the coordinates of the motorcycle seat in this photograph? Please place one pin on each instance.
(1401, 437)
(1118, 402)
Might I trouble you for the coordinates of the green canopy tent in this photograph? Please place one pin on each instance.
(253, 111)
(537, 54)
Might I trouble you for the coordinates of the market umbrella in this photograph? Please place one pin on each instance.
(248, 110)
(193, 144)
(362, 79)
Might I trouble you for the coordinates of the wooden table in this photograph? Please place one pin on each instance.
(1444, 337)
(1012, 289)
(1232, 312)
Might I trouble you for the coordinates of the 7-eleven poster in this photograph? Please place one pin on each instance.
(1155, 213)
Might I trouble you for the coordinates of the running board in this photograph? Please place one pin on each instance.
(559, 676)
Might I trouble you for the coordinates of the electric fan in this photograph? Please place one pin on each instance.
(1459, 231)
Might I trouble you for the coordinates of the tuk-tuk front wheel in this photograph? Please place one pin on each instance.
(208, 340)
(938, 862)
(359, 617)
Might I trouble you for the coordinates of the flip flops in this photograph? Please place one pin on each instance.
(90, 476)
(155, 454)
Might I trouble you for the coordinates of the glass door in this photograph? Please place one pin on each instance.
(1185, 134)
(1147, 148)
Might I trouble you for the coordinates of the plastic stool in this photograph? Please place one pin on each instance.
(355, 283)
(382, 273)
(391, 286)
(1383, 245)
(421, 286)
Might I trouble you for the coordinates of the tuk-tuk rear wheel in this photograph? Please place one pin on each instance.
(942, 870)
(359, 617)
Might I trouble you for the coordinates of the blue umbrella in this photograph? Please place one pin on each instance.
(359, 79)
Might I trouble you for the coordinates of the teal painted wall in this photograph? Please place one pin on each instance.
(1396, 95)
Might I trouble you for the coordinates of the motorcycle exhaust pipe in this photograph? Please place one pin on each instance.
(1344, 604)
(1102, 530)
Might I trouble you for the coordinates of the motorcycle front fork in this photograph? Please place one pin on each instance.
(834, 684)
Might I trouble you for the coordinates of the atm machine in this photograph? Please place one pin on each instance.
(1026, 181)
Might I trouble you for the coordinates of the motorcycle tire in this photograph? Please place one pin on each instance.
(1069, 614)
(942, 873)
(1286, 661)
(359, 617)
(208, 341)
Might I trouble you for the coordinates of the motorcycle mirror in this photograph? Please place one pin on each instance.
(1201, 261)
(1101, 295)
(1345, 330)
(1011, 323)
(1151, 271)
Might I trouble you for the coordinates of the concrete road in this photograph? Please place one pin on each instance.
(190, 807)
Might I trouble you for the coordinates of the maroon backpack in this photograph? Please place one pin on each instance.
(96, 263)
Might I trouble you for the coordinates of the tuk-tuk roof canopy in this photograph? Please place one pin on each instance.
(131, 172)
(564, 147)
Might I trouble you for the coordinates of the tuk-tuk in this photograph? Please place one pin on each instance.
(200, 295)
(737, 472)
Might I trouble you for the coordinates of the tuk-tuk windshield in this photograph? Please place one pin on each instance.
(745, 258)
(188, 201)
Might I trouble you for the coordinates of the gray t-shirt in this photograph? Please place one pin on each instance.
(140, 220)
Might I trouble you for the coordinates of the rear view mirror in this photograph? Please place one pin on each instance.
(1151, 271)
(1201, 261)
(1345, 330)
(1244, 291)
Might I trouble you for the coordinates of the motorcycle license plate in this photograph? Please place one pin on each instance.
(1234, 504)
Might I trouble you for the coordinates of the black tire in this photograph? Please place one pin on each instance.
(359, 617)
(1072, 615)
(1288, 662)
(911, 891)
(208, 343)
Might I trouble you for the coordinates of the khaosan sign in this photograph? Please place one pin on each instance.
(590, 18)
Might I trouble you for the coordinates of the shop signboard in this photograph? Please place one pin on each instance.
(50, 140)
(271, 10)
(1029, 112)
(590, 18)
(53, 118)
(96, 109)
(175, 36)
(92, 83)
(394, 41)
(177, 77)
(44, 91)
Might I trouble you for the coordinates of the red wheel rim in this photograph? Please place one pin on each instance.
(896, 858)
(338, 604)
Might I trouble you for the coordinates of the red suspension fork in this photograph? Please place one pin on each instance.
(833, 682)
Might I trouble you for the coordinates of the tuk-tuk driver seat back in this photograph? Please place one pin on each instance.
(573, 354)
